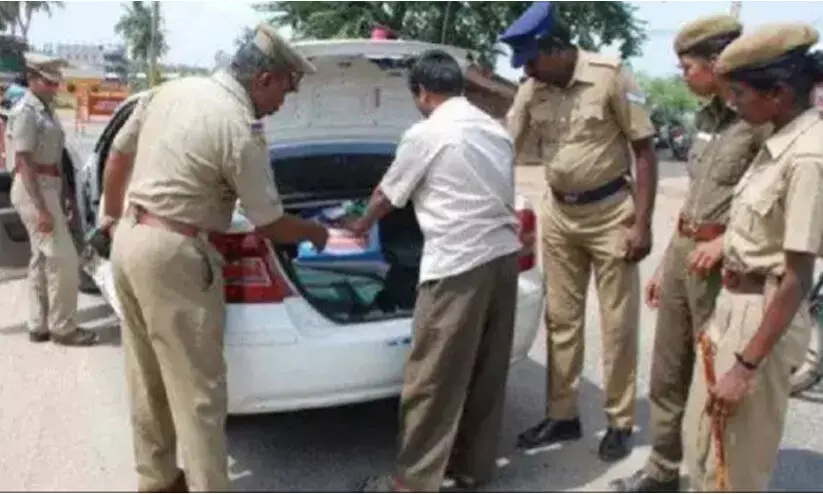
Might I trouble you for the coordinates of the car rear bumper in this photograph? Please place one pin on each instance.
(276, 370)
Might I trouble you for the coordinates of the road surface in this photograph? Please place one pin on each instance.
(64, 419)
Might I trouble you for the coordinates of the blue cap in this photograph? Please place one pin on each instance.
(524, 34)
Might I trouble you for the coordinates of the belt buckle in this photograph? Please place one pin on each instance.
(571, 198)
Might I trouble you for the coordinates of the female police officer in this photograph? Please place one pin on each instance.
(760, 328)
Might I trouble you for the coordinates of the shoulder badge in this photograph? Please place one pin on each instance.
(605, 60)
(637, 98)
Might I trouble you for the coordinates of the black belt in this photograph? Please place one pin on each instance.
(590, 196)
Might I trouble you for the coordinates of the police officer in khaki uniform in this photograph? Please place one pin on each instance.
(36, 141)
(687, 281)
(760, 326)
(590, 115)
(198, 146)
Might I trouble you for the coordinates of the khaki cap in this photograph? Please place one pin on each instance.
(699, 30)
(765, 44)
(273, 45)
(50, 68)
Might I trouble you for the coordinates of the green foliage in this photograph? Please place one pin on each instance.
(134, 27)
(668, 96)
(16, 16)
(472, 25)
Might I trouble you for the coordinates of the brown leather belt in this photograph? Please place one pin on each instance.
(700, 232)
(47, 170)
(144, 217)
(744, 283)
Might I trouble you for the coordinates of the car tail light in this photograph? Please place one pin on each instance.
(250, 273)
(527, 234)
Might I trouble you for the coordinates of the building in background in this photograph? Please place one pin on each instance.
(84, 54)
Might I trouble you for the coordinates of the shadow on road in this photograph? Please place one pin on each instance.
(333, 449)
(797, 470)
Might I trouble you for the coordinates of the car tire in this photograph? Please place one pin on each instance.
(87, 284)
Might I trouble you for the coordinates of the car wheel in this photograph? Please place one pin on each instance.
(87, 284)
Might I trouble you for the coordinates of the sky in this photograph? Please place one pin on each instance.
(197, 30)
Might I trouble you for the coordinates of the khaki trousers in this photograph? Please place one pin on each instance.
(53, 267)
(576, 241)
(452, 401)
(686, 304)
(171, 291)
(754, 431)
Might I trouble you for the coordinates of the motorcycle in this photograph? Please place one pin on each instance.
(679, 142)
(809, 373)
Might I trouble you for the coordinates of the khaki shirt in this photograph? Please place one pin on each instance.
(778, 204)
(583, 129)
(200, 148)
(722, 150)
(35, 129)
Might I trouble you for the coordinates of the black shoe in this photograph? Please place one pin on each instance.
(616, 444)
(550, 431)
(641, 481)
(39, 336)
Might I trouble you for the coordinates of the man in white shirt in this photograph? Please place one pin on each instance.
(456, 167)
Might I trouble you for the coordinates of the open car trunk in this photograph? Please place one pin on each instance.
(344, 291)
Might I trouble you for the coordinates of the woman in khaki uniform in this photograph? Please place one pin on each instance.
(36, 141)
(760, 326)
(684, 288)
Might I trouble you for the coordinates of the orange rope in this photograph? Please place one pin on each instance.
(718, 423)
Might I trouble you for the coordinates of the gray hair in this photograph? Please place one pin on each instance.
(250, 60)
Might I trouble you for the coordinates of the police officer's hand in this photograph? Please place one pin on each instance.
(45, 223)
(732, 387)
(319, 236)
(638, 243)
(71, 209)
(705, 257)
(653, 289)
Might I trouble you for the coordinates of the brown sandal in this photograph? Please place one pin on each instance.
(78, 337)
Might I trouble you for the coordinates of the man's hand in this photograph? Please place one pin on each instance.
(638, 243)
(653, 288)
(705, 257)
(71, 209)
(107, 224)
(319, 236)
(45, 223)
(732, 387)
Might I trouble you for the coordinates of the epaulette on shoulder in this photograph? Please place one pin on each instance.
(601, 60)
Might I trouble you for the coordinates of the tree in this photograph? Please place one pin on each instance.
(135, 27)
(471, 25)
(668, 96)
(17, 16)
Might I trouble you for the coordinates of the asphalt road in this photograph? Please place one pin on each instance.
(64, 418)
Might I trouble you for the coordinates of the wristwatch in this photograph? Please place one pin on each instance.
(745, 363)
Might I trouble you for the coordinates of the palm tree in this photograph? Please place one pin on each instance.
(135, 27)
(17, 16)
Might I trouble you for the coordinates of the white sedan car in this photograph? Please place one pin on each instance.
(300, 335)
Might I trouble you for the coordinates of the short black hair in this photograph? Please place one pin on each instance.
(22, 80)
(798, 69)
(437, 72)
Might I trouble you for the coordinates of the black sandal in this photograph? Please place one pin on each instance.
(78, 337)
(39, 336)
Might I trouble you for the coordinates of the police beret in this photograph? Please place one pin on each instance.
(767, 43)
(524, 33)
(46, 66)
(705, 28)
(273, 45)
